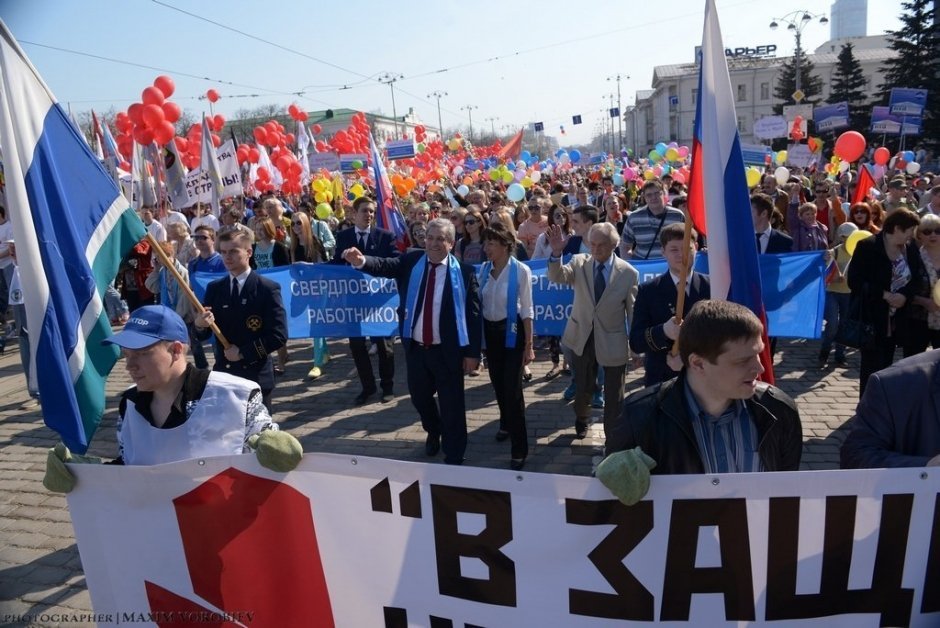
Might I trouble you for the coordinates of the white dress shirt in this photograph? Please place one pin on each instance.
(496, 292)
(440, 277)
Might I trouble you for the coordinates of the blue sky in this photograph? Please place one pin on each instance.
(515, 61)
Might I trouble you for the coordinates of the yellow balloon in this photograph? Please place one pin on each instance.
(753, 177)
(323, 211)
(672, 154)
(781, 157)
(649, 175)
(526, 182)
(854, 238)
(357, 190)
(321, 185)
(507, 177)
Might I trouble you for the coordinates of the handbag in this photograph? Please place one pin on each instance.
(854, 331)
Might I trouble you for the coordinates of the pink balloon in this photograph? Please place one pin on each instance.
(683, 151)
(629, 174)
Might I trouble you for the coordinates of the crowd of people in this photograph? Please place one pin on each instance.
(466, 301)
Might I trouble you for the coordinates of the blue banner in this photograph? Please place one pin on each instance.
(905, 101)
(330, 301)
(831, 117)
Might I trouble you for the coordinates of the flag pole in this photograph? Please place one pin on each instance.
(684, 277)
(184, 286)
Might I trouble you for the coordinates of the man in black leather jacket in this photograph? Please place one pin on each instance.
(716, 417)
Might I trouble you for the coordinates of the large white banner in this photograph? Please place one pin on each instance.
(199, 186)
(347, 541)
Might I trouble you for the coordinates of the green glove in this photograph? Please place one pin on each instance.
(277, 450)
(58, 478)
(626, 474)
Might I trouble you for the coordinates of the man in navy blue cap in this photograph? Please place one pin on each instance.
(176, 411)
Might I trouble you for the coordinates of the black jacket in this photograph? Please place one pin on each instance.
(657, 419)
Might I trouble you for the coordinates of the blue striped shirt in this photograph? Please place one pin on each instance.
(728, 443)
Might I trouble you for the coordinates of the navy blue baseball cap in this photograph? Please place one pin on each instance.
(148, 325)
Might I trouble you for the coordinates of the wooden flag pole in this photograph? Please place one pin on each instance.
(684, 277)
(184, 286)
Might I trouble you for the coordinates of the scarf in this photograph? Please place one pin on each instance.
(457, 289)
(512, 298)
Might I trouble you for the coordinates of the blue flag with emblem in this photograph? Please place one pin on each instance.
(72, 226)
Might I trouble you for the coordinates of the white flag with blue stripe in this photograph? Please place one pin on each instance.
(72, 226)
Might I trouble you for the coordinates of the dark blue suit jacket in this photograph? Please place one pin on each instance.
(572, 246)
(381, 243)
(654, 305)
(779, 242)
(897, 423)
(256, 324)
(399, 269)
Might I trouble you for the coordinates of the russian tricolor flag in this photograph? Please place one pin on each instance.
(719, 202)
(388, 217)
(72, 226)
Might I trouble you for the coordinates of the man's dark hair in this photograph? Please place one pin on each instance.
(900, 218)
(712, 324)
(588, 213)
(762, 203)
(206, 229)
(359, 201)
(675, 231)
(652, 184)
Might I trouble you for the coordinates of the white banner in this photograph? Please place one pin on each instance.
(770, 127)
(345, 541)
(801, 156)
(199, 186)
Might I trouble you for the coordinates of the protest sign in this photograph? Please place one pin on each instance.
(487, 547)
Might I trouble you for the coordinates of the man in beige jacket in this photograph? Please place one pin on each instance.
(604, 289)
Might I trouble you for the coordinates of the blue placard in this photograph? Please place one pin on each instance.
(831, 117)
(400, 149)
(755, 154)
(884, 122)
(346, 162)
(905, 101)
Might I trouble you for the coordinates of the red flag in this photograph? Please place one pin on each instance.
(512, 149)
(865, 183)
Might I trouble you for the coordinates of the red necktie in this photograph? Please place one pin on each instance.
(427, 326)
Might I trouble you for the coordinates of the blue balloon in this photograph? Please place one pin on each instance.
(575, 156)
(559, 152)
(525, 156)
(908, 156)
(469, 164)
(618, 179)
(661, 148)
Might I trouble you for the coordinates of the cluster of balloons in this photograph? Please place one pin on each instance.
(353, 139)
(296, 113)
(151, 119)
(671, 153)
(402, 185)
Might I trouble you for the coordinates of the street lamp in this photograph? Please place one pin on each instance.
(492, 120)
(617, 77)
(469, 109)
(796, 21)
(389, 79)
(440, 125)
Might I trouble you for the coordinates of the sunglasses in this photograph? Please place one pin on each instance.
(929, 232)
(470, 222)
(297, 223)
(860, 212)
(200, 237)
(822, 191)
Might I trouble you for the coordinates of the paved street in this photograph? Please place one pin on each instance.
(40, 570)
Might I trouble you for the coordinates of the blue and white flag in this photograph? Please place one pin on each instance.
(72, 226)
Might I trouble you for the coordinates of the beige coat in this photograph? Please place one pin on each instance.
(608, 318)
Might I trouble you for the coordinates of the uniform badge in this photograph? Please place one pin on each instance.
(253, 323)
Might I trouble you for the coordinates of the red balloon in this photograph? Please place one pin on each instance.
(153, 115)
(317, 129)
(134, 112)
(290, 139)
(218, 122)
(171, 111)
(283, 163)
(261, 134)
(292, 110)
(419, 129)
(165, 85)
(143, 135)
(164, 133)
(302, 116)
(182, 144)
(850, 146)
(254, 155)
(882, 155)
(216, 140)
(212, 95)
(263, 173)
(152, 96)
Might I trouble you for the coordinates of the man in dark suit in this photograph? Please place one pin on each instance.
(769, 240)
(377, 243)
(248, 310)
(896, 423)
(441, 329)
(655, 328)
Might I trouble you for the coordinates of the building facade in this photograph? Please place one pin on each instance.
(666, 113)
(849, 19)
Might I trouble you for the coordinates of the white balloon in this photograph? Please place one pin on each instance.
(843, 166)
(458, 170)
(782, 175)
(913, 167)
(536, 176)
(463, 190)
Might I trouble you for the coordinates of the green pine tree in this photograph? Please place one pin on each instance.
(810, 85)
(917, 64)
(848, 85)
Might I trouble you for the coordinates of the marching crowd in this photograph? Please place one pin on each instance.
(466, 307)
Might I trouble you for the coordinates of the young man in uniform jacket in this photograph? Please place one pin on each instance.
(377, 243)
(654, 329)
(441, 336)
(248, 310)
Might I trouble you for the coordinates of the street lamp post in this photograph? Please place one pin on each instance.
(617, 77)
(440, 125)
(796, 21)
(390, 79)
(469, 109)
(492, 120)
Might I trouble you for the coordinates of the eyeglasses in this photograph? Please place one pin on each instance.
(822, 191)
(297, 223)
(929, 232)
(470, 222)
